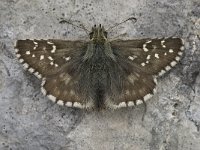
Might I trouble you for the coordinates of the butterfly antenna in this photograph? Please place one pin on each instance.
(131, 18)
(81, 26)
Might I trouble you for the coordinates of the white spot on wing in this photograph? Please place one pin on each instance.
(43, 91)
(143, 64)
(162, 43)
(41, 57)
(180, 53)
(16, 50)
(49, 42)
(149, 41)
(167, 68)
(38, 75)
(25, 65)
(130, 103)
(52, 98)
(35, 43)
(144, 48)
(182, 48)
(138, 102)
(173, 63)
(28, 52)
(148, 57)
(54, 49)
(43, 82)
(156, 55)
(78, 105)
(35, 47)
(18, 55)
(21, 60)
(50, 58)
(161, 72)
(67, 58)
(148, 96)
(60, 102)
(31, 70)
(122, 104)
(171, 51)
(69, 104)
(130, 57)
(177, 58)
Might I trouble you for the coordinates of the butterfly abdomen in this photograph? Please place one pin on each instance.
(99, 73)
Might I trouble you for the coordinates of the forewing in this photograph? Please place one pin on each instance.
(55, 61)
(154, 56)
(46, 57)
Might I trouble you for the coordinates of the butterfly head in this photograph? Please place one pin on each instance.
(98, 34)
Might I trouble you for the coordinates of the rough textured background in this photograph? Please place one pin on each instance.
(28, 120)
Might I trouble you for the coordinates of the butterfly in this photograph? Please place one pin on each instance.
(99, 73)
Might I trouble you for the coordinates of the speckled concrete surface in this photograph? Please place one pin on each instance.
(29, 121)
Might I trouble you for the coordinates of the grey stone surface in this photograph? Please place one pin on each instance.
(29, 121)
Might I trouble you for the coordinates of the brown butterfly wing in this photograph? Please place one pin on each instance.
(55, 62)
(45, 57)
(154, 56)
(148, 58)
(136, 87)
